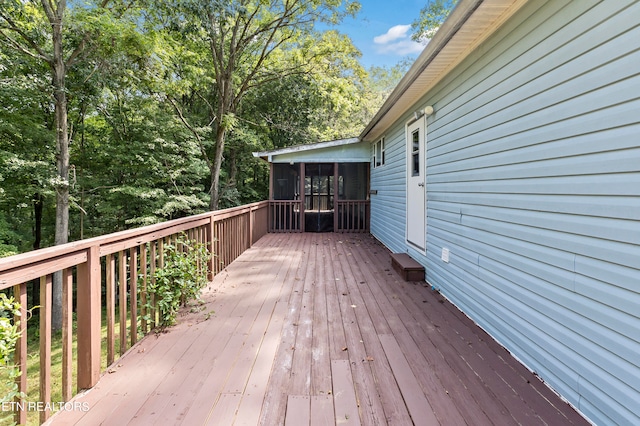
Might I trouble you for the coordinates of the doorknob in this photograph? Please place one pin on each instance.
(421, 184)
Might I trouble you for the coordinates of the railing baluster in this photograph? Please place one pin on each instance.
(156, 300)
(221, 238)
(133, 292)
(143, 288)
(122, 300)
(111, 302)
(282, 216)
(46, 283)
(152, 271)
(20, 294)
(199, 241)
(210, 237)
(353, 216)
(67, 334)
(227, 243)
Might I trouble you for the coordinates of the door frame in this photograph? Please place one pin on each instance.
(419, 124)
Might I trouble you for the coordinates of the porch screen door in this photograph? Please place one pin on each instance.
(416, 189)
(319, 197)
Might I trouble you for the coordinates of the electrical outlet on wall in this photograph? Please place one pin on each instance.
(445, 255)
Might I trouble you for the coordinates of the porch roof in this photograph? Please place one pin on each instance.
(350, 150)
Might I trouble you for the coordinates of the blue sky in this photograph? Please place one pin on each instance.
(382, 31)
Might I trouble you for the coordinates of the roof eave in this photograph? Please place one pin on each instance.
(447, 40)
(267, 155)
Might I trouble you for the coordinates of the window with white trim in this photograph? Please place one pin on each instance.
(378, 153)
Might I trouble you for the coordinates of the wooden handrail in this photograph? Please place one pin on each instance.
(226, 232)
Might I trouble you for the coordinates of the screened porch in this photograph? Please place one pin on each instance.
(320, 187)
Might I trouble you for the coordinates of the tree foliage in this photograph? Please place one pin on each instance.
(165, 102)
(9, 335)
(57, 39)
(432, 15)
(239, 47)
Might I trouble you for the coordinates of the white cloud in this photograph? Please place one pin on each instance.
(397, 41)
(394, 33)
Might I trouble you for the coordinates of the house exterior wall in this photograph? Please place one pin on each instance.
(388, 200)
(533, 184)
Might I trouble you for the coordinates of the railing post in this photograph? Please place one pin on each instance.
(88, 295)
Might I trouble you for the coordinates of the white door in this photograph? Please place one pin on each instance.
(416, 188)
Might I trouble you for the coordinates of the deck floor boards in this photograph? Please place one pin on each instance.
(318, 329)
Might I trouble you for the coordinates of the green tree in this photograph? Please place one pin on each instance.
(138, 165)
(248, 44)
(58, 38)
(27, 166)
(432, 15)
(322, 104)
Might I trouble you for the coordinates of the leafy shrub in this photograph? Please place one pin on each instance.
(9, 335)
(180, 280)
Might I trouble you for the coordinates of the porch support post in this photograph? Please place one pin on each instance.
(302, 196)
(367, 207)
(270, 181)
(335, 196)
(88, 294)
(271, 206)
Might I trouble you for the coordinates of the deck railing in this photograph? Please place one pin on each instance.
(349, 216)
(352, 216)
(284, 216)
(113, 264)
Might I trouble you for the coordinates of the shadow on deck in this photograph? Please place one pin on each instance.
(318, 329)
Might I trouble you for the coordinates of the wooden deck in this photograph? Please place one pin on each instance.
(318, 329)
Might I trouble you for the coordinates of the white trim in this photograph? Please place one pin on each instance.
(379, 151)
(422, 122)
(468, 25)
(307, 147)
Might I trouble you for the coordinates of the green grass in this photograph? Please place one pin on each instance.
(33, 365)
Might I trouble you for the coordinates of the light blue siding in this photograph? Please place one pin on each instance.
(388, 205)
(352, 153)
(533, 184)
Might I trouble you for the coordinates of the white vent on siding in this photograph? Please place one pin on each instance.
(445, 255)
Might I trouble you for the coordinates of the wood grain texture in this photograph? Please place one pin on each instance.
(317, 328)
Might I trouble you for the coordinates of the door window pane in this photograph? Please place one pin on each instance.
(415, 153)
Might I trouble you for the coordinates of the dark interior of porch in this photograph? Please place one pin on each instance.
(332, 197)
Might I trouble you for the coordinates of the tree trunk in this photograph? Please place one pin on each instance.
(233, 170)
(62, 159)
(216, 167)
(213, 189)
(38, 204)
